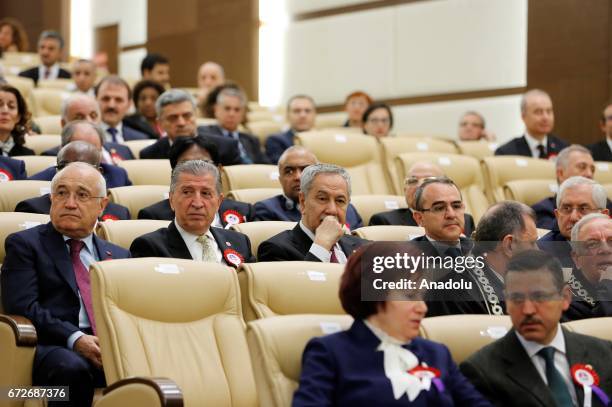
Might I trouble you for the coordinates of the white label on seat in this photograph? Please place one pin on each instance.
(340, 138)
(603, 167)
(444, 161)
(422, 146)
(316, 275)
(166, 268)
(45, 190)
(495, 332)
(330, 327)
(391, 205)
(166, 195)
(521, 162)
(553, 188)
(29, 224)
(274, 175)
(492, 146)
(567, 273)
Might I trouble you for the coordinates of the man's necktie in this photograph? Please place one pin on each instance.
(82, 278)
(113, 132)
(453, 252)
(47, 73)
(208, 250)
(542, 151)
(556, 384)
(333, 258)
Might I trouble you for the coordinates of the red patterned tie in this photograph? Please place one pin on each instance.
(333, 258)
(82, 279)
(47, 73)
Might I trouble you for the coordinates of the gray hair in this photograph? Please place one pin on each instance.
(50, 34)
(231, 92)
(70, 128)
(312, 171)
(598, 193)
(474, 113)
(84, 152)
(171, 97)
(195, 167)
(528, 94)
(583, 221)
(563, 157)
(66, 103)
(101, 182)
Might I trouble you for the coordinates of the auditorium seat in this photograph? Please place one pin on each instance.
(13, 192)
(11, 222)
(42, 142)
(18, 343)
(276, 345)
(36, 163)
(368, 205)
(136, 145)
(136, 197)
(51, 124)
(326, 121)
(264, 128)
(148, 172)
(603, 172)
(58, 84)
(262, 116)
(252, 195)
(123, 232)
(542, 232)
(477, 149)
(262, 230)
(499, 170)
(182, 322)
(530, 191)
(597, 327)
(24, 85)
(47, 102)
(389, 233)
(289, 287)
(246, 176)
(475, 332)
(205, 121)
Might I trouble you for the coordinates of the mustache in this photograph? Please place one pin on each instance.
(111, 110)
(531, 320)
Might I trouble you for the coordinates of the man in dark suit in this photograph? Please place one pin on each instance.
(301, 115)
(229, 111)
(176, 110)
(417, 174)
(324, 196)
(50, 45)
(284, 207)
(195, 196)
(11, 169)
(537, 141)
(115, 98)
(602, 151)
(537, 362)
(45, 279)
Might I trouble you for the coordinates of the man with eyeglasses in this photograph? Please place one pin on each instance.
(45, 278)
(539, 363)
(417, 174)
(602, 151)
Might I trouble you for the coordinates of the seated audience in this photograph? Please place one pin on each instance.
(301, 114)
(195, 196)
(11, 169)
(145, 119)
(13, 37)
(50, 45)
(210, 75)
(199, 148)
(45, 278)
(602, 151)
(417, 174)
(536, 362)
(537, 141)
(14, 122)
(74, 151)
(285, 207)
(91, 133)
(156, 67)
(472, 127)
(355, 106)
(379, 359)
(325, 192)
(84, 75)
(377, 120)
(176, 112)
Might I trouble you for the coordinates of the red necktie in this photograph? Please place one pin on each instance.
(47, 73)
(82, 279)
(333, 258)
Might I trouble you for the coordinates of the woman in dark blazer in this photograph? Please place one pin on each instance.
(14, 121)
(380, 360)
(145, 95)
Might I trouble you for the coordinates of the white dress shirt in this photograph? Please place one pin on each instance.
(107, 135)
(53, 72)
(609, 143)
(322, 253)
(533, 144)
(195, 247)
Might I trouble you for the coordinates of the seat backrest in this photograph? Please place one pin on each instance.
(465, 334)
(289, 287)
(542, 232)
(11, 222)
(330, 120)
(136, 197)
(276, 345)
(261, 231)
(50, 125)
(530, 191)
(183, 322)
(249, 176)
(123, 232)
(36, 163)
(253, 195)
(148, 172)
(264, 128)
(48, 102)
(499, 170)
(597, 327)
(389, 233)
(59, 83)
(603, 172)
(368, 205)
(42, 142)
(23, 84)
(136, 145)
(13, 192)
(477, 149)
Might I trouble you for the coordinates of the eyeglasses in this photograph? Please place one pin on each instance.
(441, 207)
(379, 121)
(535, 296)
(63, 195)
(582, 209)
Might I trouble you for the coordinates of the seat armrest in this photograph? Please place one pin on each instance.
(17, 349)
(142, 391)
(23, 330)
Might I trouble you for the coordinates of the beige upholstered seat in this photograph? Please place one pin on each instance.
(261, 231)
(136, 197)
(597, 327)
(330, 120)
(36, 163)
(264, 128)
(530, 191)
(11, 193)
(59, 84)
(48, 102)
(252, 195)
(24, 85)
(123, 232)
(477, 149)
(182, 323)
(11, 222)
(263, 116)
(389, 233)
(282, 288)
(465, 334)
(148, 172)
(249, 176)
(205, 121)
(542, 232)
(464, 171)
(136, 145)
(499, 170)
(50, 124)
(368, 205)
(357, 153)
(277, 344)
(43, 142)
(603, 172)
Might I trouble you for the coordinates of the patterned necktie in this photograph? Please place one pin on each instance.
(333, 258)
(556, 384)
(208, 249)
(542, 151)
(47, 73)
(453, 252)
(113, 132)
(82, 278)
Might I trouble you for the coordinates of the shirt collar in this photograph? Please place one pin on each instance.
(8, 145)
(533, 143)
(609, 143)
(88, 240)
(119, 127)
(532, 348)
(382, 335)
(53, 70)
(442, 246)
(189, 237)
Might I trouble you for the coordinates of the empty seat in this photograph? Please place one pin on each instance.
(36, 163)
(50, 124)
(262, 230)
(330, 120)
(11, 193)
(368, 205)
(136, 197)
(47, 102)
(264, 128)
(477, 149)
(136, 145)
(499, 170)
(247, 176)
(123, 232)
(252, 195)
(148, 172)
(597, 327)
(389, 233)
(603, 172)
(283, 288)
(11, 222)
(42, 142)
(530, 191)
(263, 115)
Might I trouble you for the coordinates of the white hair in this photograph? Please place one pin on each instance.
(101, 182)
(583, 221)
(598, 193)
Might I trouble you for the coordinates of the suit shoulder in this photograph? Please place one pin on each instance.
(589, 341)
(120, 251)
(509, 147)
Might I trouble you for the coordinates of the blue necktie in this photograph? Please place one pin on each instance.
(556, 384)
(244, 157)
(113, 132)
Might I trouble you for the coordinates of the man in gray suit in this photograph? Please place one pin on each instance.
(539, 363)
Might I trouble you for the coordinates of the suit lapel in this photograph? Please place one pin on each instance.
(58, 253)
(523, 147)
(576, 353)
(300, 239)
(104, 250)
(176, 244)
(225, 242)
(347, 245)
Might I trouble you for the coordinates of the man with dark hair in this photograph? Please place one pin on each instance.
(602, 151)
(156, 67)
(50, 46)
(539, 363)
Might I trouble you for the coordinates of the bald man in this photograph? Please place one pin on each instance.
(210, 75)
